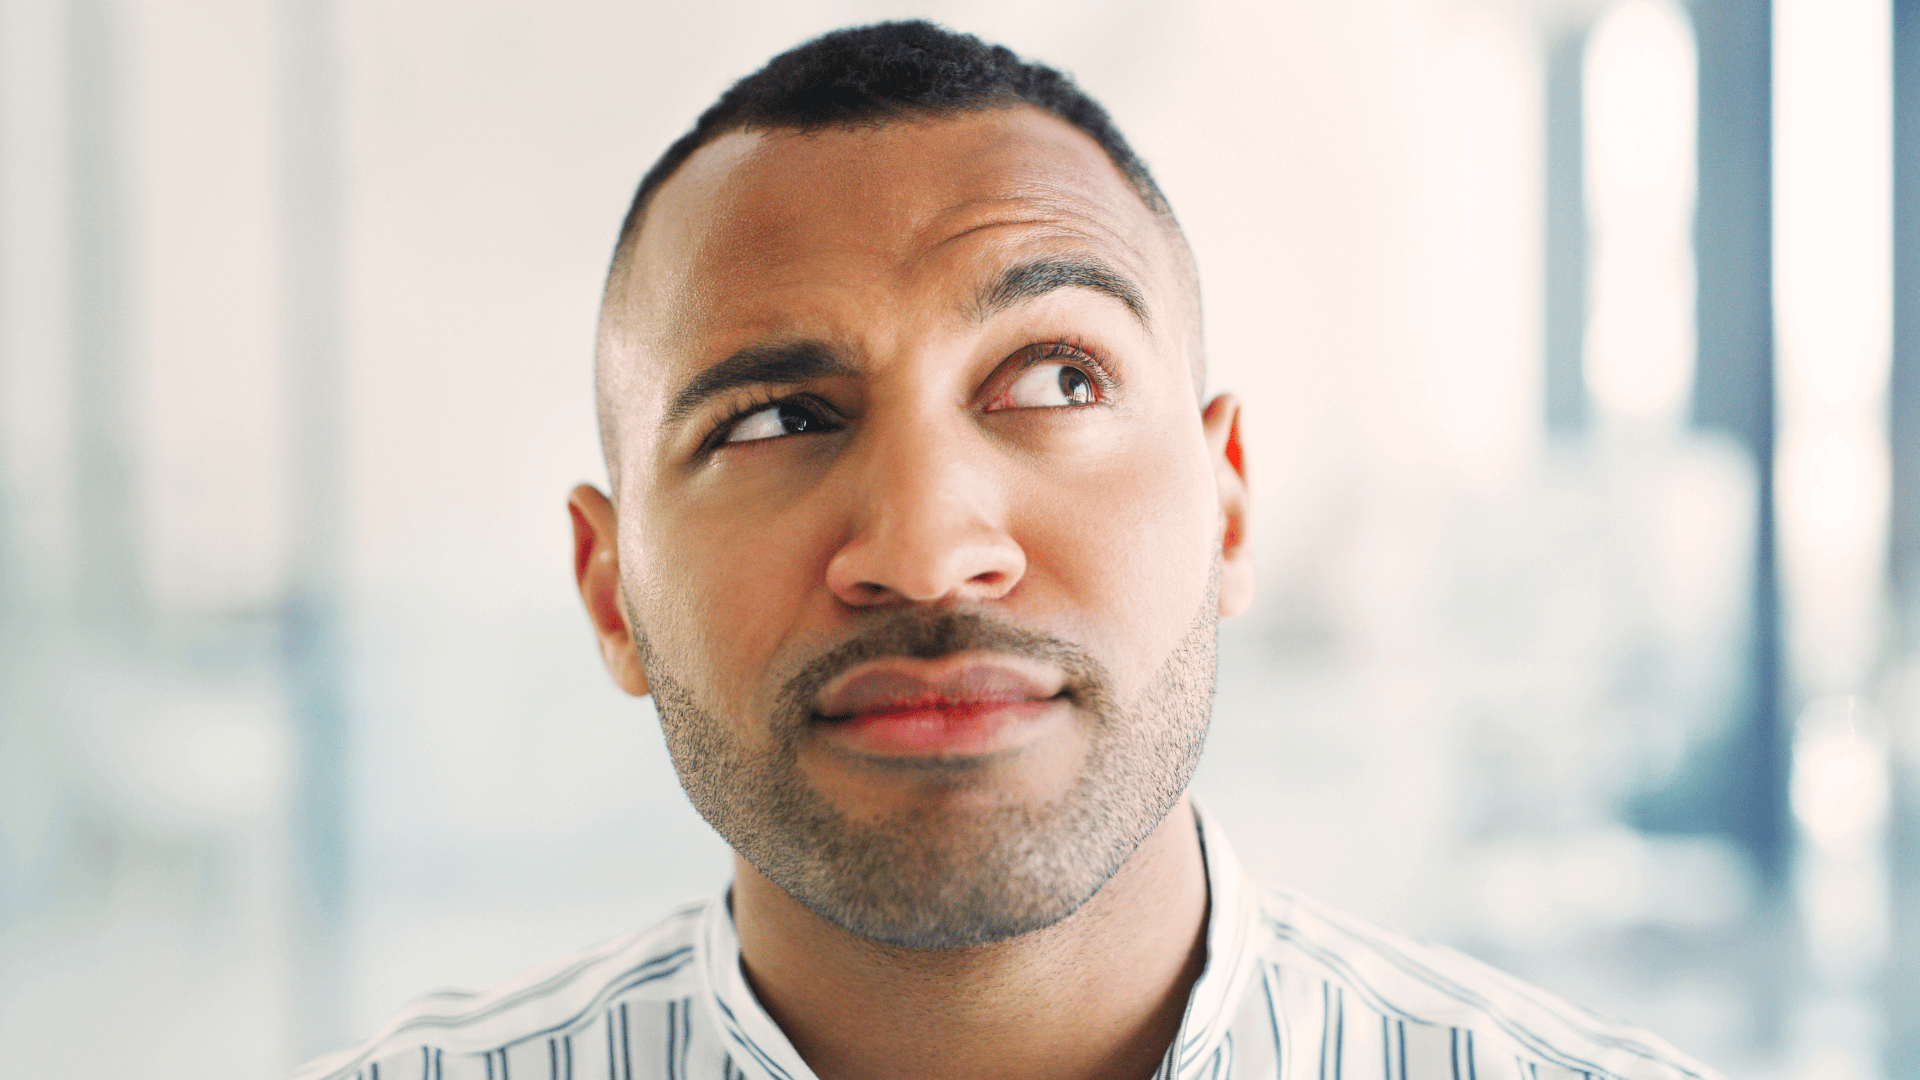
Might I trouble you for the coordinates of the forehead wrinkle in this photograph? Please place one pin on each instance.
(1049, 208)
(1097, 254)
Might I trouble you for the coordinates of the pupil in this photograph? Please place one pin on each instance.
(794, 419)
(1074, 384)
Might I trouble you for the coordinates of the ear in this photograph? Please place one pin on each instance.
(596, 568)
(1221, 422)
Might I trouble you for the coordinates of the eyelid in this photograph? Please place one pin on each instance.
(1043, 352)
(752, 401)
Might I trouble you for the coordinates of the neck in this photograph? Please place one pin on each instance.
(1099, 994)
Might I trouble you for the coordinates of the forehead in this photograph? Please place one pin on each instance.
(760, 232)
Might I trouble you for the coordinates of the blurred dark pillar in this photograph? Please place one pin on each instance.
(315, 652)
(1566, 235)
(1903, 429)
(1733, 388)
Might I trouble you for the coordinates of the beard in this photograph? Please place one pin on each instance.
(936, 877)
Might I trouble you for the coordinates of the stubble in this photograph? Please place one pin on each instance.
(936, 877)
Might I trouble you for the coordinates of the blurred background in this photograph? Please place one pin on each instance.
(1580, 344)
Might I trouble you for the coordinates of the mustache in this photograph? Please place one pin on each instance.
(920, 636)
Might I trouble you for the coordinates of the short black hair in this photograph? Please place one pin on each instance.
(890, 71)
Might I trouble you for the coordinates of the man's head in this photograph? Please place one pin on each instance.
(892, 72)
(919, 530)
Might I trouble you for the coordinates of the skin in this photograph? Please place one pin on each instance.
(950, 479)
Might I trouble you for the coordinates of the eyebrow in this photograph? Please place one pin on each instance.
(1028, 280)
(756, 365)
(774, 363)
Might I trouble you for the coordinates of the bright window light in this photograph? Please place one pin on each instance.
(1640, 106)
(1839, 786)
(1833, 198)
(1833, 298)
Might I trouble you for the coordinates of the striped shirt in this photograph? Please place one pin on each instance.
(1292, 990)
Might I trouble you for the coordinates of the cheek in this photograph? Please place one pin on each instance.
(718, 600)
(1128, 542)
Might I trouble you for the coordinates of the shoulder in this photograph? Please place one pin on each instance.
(1362, 976)
(656, 963)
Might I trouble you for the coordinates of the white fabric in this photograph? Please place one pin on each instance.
(1292, 991)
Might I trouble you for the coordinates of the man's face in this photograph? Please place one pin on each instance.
(921, 531)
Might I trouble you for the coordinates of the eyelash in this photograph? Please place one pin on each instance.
(1034, 355)
(1070, 349)
(753, 402)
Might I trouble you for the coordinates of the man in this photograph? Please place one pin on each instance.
(918, 535)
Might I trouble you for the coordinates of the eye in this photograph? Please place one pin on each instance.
(1048, 385)
(790, 417)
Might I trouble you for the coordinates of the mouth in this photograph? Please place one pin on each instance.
(956, 707)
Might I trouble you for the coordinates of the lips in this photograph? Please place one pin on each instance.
(949, 707)
(895, 685)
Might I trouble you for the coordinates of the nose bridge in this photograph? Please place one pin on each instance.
(930, 519)
(927, 485)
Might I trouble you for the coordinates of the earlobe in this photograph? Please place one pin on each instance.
(596, 569)
(1221, 422)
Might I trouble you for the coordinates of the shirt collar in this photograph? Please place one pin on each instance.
(761, 1050)
(1232, 956)
(754, 1041)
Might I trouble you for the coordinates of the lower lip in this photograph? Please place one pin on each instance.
(950, 731)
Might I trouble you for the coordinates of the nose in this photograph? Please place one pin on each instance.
(929, 523)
